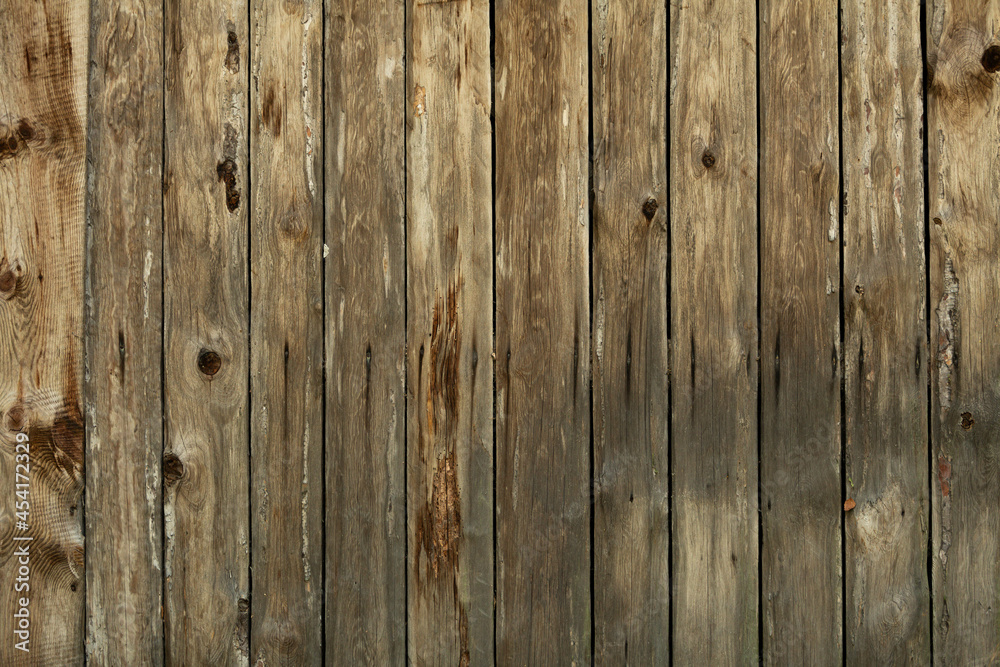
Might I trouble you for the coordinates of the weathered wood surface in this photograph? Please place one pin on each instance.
(43, 100)
(449, 334)
(542, 332)
(714, 332)
(286, 332)
(630, 352)
(964, 197)
(123, 335)
(365, 333)
(801, 593)
(885, 343)
(206, 458)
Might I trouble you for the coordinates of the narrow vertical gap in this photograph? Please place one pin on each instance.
(163, 328)
(323, 310)
(760, 522)
(249, 207)
(668, 140)
(590, 317)
(88, 330)
(841, 354)
(493, 203)
(407, 12)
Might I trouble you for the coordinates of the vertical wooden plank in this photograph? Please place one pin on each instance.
(205, 464)
(714, 321)
(43, 89)
(885, 355)
(630, 406)
(365, 333)
(800, 333)
(542, 332)
(124, 335)
(963, 132)
(450, 333)
(286, 334)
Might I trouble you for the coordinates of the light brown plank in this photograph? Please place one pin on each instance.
(714, 320)
(286, 336)
(205, 464)
(43, 93)
(630, 354)
(123, 341)
(365, 334)
(542, 332)
(964, 196)
(450, 334)
(885, 355)
(800, 333)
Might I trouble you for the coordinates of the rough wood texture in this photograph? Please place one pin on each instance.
(450, 334)
(205, 464)
(800, 333)
(542, 332)
(714, 332)
(963, 102)
(286, 335)
(124, 335)
(630, 406)
(885, 354)
(365, 334)
(43, 93)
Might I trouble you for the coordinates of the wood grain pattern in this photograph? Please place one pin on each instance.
(286, 332)
(43, 58)
(542, 332)
(365, 334)
(800, 334)
(205, 464)
(450, 334)
(714, 332)
(885, 353)
(124, 319)
(629, 268)
(963, 130)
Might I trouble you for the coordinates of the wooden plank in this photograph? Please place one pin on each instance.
(542, 332)
(800, 334)
(630, 406)
(964, 58)
(43, 88)
(449, 334)
(885, 355)
(714, 331)
(205, 464)
(365, 334)
(286, 334)
(123, 340)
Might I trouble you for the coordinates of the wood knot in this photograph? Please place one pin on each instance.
(991, 59)
(15, 418)
(967, 421)
(859, 290)
(227, 174)
(209, 362)
(173, 469)
(708, 159)
(649, 208)
(233, 53)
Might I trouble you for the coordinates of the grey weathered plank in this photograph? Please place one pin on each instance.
(205, 464)
(365, 333)
(963, 105)
(43, 93)
(450, 334)
(885, 342)
(122, 386)
(542, 332)
(714, 331)
(286, 334)
(630, 357)
(800, 333)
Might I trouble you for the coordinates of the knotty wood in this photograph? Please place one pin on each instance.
(43, 88)
(964, 56)
(365, 334)
(124, 335)
(286, 335)
(885, 354)
(630, 406)
(542, 332)
(714, 320)
(800, 333)
(205, 464)
(450, 334)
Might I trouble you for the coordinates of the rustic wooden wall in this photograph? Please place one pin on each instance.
(524, 331)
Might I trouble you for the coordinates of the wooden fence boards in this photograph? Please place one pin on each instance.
(630, 352)
(714, 332)
(885, 348)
